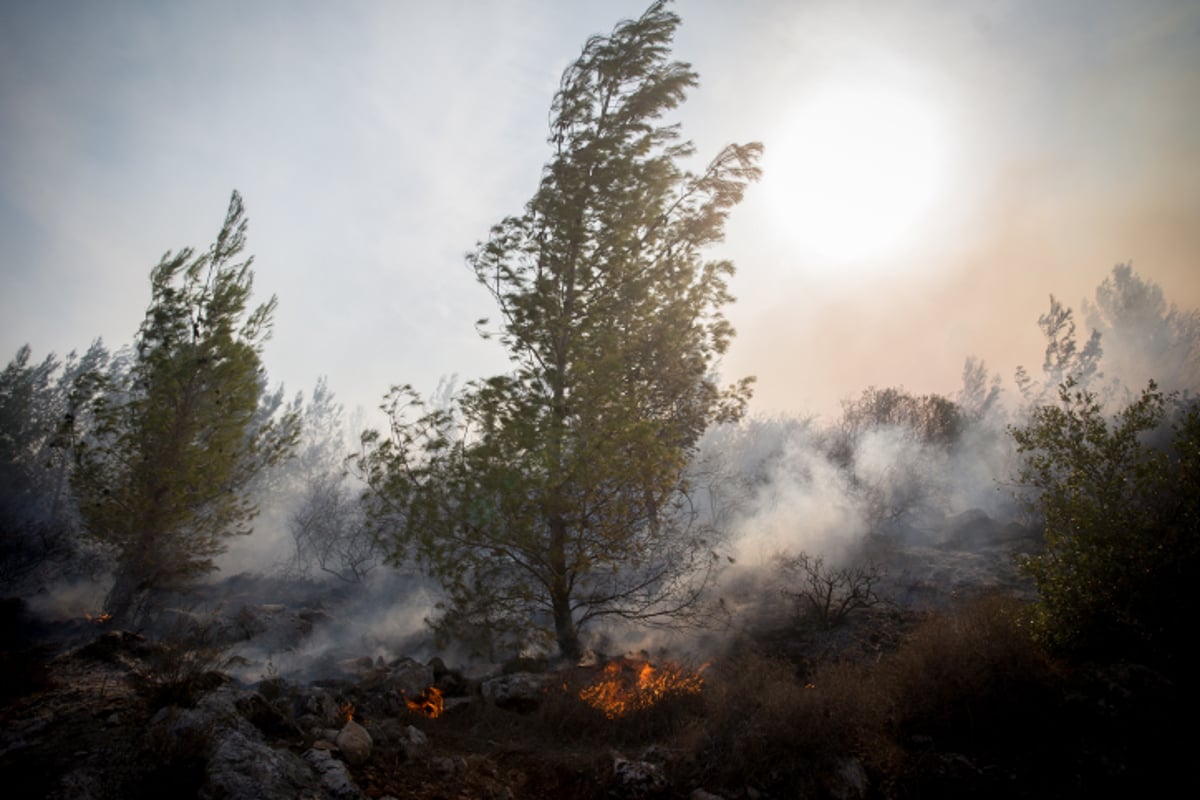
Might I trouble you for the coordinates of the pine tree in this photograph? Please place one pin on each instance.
(556, 495)
(162, 480)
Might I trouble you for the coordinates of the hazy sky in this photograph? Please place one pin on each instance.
(933, 171)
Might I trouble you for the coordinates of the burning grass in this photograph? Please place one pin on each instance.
(629, 685)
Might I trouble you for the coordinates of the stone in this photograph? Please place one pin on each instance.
(520, 691)
(354, 743)
(638, 778)
(333, 774)
(410, 678)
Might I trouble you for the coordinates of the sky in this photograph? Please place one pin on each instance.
(933, 171)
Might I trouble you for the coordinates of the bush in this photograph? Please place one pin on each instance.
(829, 594)
(185, 662)
(1119, 503)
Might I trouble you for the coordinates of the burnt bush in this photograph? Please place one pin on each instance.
(185, 662)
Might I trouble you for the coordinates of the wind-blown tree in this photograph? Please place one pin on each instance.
(41, 410)
(555, 496)
(163, 478)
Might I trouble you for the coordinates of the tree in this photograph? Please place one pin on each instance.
(1064, 357)
(555, 495)
(895, 447)
(829, 594)
(178, 438)
(979, 396)
(41, 413)
(1143, 336)
(1118, 501)
(327, 517)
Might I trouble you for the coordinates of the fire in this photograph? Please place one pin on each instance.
(627, 686)
(346, 713)
(99, 619)
(429, 702)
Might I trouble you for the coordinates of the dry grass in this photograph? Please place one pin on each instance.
(185, 662)
(968, 680)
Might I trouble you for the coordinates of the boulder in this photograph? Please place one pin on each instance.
(409, 677)
(333, 774)
(354, 743)
(638, 779)
(520, 691)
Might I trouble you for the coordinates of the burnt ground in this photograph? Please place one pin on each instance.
(942, 694)
(893, 705)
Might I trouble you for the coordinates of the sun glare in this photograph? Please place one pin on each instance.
(854, 171)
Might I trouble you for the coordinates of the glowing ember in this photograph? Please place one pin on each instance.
(99, 619)
(627, 686)
(428, 702)
(346, 713)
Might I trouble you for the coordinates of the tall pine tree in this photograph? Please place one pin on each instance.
(556, 495)
(163, 479)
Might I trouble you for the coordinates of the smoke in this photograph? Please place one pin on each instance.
(800, 500)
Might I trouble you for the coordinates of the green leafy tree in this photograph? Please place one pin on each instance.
(178, 438)
(1118, 500)
(555, 495)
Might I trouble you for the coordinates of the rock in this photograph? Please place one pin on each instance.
(410, 678)
(266, 717)
(354, 742)
(238, 763)
(333, 774)
(700, 794)
(520, 691)
(448, 766)
(849, 782)
(318, 704)
(637, 779)
(412, 741)
(244, 768)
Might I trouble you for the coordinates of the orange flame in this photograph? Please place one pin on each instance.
(429, 702)
(627, 686)
(346, 713)
(99, 619)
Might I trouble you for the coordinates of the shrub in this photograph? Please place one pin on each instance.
(1122, 522)
(185, 662)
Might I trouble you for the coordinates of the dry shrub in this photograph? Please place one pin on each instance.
(765, 727)
(974, 674)
(963, 681)
(564, 717)
(185, 662)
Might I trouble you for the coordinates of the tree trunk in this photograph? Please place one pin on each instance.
(565, 630)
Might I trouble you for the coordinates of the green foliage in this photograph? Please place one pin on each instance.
(43, 408)
(1120, 510)
(163, 477)
(556, 492)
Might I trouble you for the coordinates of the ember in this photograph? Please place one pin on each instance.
(100, 619)
(628, 686)
(429, 702)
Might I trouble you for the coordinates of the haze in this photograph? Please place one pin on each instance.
(933, 172)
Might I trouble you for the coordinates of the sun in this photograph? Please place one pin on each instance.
(854, 172)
